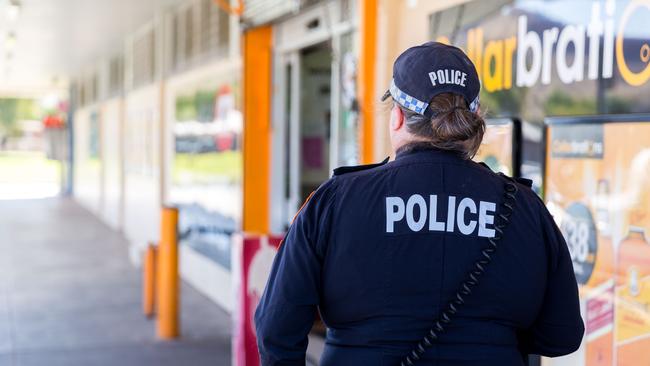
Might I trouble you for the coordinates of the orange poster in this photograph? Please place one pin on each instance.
(597, 183)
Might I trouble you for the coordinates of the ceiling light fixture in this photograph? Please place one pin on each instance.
(13, 9)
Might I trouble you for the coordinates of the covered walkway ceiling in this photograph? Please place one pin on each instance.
(43, 42)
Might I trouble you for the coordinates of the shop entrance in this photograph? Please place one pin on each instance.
(307, 111)
(314, 106)
(313, 125)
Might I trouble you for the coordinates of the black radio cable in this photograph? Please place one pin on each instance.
(473, 277)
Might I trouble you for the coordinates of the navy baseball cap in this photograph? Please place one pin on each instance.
(424, 71)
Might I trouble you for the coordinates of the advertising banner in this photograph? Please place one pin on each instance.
(255, 258)
(597, 188)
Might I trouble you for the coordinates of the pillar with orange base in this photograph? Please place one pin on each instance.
(167, 280)
(149, 281)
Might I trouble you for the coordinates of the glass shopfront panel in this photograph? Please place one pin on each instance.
(597, 181)
(206, 173)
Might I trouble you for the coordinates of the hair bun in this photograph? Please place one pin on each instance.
(454, 127)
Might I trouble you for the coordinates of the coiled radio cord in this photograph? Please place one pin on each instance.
(473, 277)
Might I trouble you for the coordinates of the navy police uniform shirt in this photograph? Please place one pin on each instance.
(380, 250)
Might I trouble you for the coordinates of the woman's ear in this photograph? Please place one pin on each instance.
(396, 118)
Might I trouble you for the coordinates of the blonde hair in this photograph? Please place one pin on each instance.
(454, 127)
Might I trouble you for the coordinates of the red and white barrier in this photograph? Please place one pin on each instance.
(252, 260)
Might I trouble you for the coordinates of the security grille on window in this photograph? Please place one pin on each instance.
(258, 12)
(87, 89)
(94, 88)
(176, 41)
(215, 29)
(190, 36)
(115, 75)
(199, 30)
(144, 60)
(81, 93)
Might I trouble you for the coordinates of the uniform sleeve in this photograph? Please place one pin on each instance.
(287, 309)
(558, 329)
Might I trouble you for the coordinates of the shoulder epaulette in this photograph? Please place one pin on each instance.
(357, 168)
(525, 181)
(484, 165)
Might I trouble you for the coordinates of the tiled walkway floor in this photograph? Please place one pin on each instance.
(69, 296)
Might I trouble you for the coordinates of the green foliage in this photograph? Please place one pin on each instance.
(205, 105)
(185, 108)
(196, 107)
(13, 110)
(618, 105)
(510, 100)
(8, 115)
(208, 167)
(560, 103)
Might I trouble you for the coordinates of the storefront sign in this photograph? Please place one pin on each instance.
(538, 58)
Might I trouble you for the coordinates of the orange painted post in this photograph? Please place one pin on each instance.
(257, 52)
(149, 281)
(367, 67)
(167, 289)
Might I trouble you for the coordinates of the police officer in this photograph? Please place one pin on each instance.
(428, 259)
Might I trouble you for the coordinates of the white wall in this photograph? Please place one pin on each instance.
(142, 168)
(112, 139)
(87, 171)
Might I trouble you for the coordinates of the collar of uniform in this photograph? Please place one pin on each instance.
(420, 148)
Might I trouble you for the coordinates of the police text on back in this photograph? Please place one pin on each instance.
(465, 217)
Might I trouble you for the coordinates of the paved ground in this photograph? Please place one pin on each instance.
(69, 296)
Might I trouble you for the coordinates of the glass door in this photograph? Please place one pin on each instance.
(314, 118)
(303, 128)
(315, 111)
(344, 140)
(286, 168)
